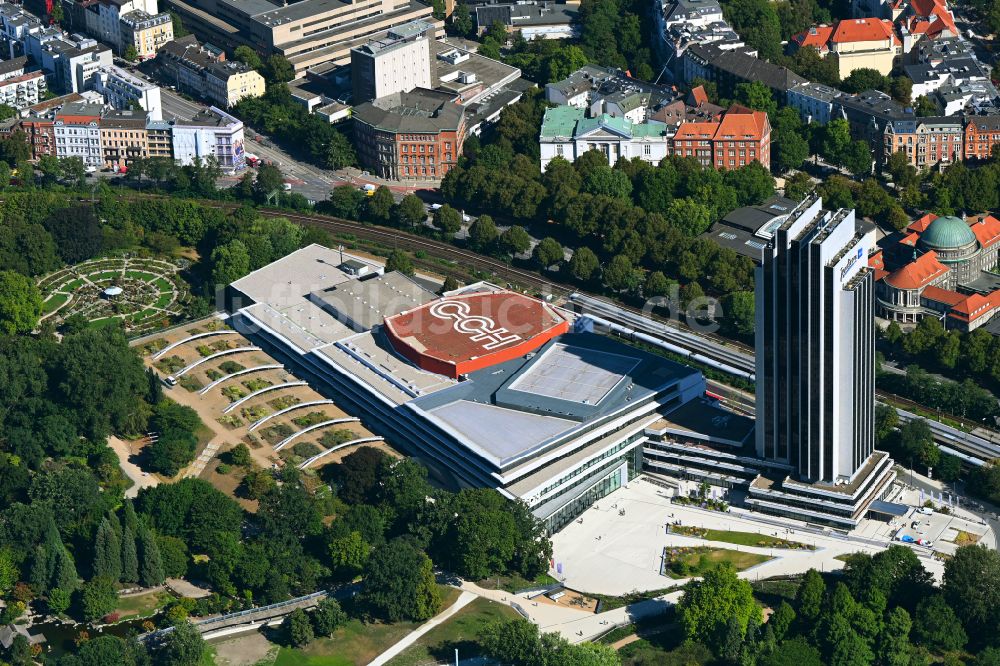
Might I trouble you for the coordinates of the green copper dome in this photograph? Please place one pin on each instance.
(947, 233)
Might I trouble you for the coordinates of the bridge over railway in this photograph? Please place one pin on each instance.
(250, 616)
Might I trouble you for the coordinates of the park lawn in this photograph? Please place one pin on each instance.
(163, 284)
(139, 275)
(164, 300)
(105, 321)
(73, 285)
(700, 560)
(356, 643)
(514, 583)
(106, 275)
(142, 605)
(749, 539)
(54, 302)
(460, 631)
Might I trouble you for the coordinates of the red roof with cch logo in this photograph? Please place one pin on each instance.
(459, 334)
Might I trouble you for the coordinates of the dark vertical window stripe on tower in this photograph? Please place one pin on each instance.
(830, 289)
(769, 381)
(782, 365)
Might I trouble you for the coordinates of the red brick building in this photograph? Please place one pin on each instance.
(41, 135)
(982, 133)
(740, 137)
(416, 135)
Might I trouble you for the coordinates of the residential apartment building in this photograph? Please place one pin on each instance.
(40, 131)
(740, 137)
(22, 90)
(813, 101)
(212, 133)
(310, 33)
(123, 138)
(415, 135)
(856, 43)
(869, 114)
(607, 90)
(146, 33)
(530, 19)
(982, 137)
(733, 67)
(399, 62)
(121, 90)
(684, 23)
(192, 67)
(159, 139)
(77, 132)
(104, 18)
(932, 141)
(568, 133)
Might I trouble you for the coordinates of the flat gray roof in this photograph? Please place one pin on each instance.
(576, 374)
(365, 303)
(289, 279)
(497, 433)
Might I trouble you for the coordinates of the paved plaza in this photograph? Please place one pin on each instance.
(608, 553)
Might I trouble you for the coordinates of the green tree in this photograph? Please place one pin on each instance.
(399, 583)
(893, 645)
(886, 420)
(925, 106)
(248, 57)
(461, 20)
(410, 212)
(794, 652)
(378, 207)
(327, 617)
(130, 557)
(178, 25)
(758, 23)
(858, 159)
(297, 628)
(862, 79)
(707, 605)
(916, 442)
(399, 261)
(547, 252)
(757, 96)
(753, 183)
(229, 262)
(976, 604)
(58, 600)
(936, 626)
(448, 220)
(515, 240)
(98, 598)
(183, 646)
(131, 54)
(20, 303)
(739, 313)
(691, 217)
(621, 275)
(584, 264)
(151, 570)
(483, 233)
(791, 150)
(107, 553)
(277, 69)
(9, 571)
(269, 182)
(809, 596)
(781, 620)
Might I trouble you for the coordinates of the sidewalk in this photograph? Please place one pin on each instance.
(463, 600)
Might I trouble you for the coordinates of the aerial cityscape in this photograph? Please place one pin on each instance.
(495, 332)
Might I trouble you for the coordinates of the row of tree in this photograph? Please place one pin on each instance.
(883, 610)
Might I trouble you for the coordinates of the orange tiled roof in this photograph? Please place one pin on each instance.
(975, 306)
(910, 240)
(918, 273)
(939, 295)
(920, 226)
(699, 96)
(987, 230)
(700, 130)
(879, 274)
(740, 121)
(876, 260)
(863, 30)
(816, 36)
(925, 7)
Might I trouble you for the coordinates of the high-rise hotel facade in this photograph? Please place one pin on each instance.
(809, 453)
(815, 365)
(815, 345)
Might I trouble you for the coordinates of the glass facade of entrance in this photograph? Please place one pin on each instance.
(568, 513)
